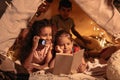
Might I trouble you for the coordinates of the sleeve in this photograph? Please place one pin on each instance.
(76, 48)
(73, 23)
(54, 21)
(54, 24)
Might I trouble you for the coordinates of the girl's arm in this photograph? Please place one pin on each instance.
(47, 61)
(52, 63)
(48, 58)
(27, 62)
(29, 59)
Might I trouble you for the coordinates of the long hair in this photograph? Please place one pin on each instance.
(28, 41)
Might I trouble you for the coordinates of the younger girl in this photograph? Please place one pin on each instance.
(64, 44)
(34, 54)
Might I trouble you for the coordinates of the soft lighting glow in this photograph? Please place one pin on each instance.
(97, 29)
(103, 42)
(91, 22)
(100, 36)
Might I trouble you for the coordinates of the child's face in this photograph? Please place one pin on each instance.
(46, 34)
(65, 44)
(64, 12)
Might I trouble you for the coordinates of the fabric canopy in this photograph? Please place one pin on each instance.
(104, 13)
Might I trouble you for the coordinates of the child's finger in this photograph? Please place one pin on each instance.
(36, 38)
(81, 67)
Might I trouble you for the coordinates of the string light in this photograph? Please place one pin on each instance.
(100, 36)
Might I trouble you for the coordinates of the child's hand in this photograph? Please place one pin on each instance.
(36, 66)
(58, 49)
(35, 42)
(33, 66)
(81, 68)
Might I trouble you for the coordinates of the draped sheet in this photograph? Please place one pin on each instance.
(14, 19)
(104, 13)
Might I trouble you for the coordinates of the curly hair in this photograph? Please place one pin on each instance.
(28, 41)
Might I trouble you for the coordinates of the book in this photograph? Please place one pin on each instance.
(67, 63)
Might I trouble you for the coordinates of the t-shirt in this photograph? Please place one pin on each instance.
(62, 24)
(39, 56)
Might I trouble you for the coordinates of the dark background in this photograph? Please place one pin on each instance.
(3, 6)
